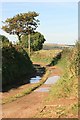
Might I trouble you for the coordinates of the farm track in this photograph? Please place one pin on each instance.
(32, 105)
(29, 105)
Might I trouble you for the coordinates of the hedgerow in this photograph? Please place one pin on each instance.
(16, 64)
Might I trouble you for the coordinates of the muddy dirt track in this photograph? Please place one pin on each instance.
(31, 104)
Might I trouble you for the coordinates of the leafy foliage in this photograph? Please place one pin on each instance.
(16, 65)
(74, 59)
(23, 23)
(3, 38)
(77, 60)
(37, 40)
(68, 84)
(3, 41)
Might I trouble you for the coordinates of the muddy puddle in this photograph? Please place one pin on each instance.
(35, 79)
(50, 80)
(43, 89)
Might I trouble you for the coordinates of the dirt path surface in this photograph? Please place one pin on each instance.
(15, 91)
(57, 109)
(26, 106)
(33, 105)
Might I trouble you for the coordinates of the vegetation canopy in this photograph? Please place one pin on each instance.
(23, 23)
(16, 64)
(36, 41)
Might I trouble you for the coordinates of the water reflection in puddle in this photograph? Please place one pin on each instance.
(44, 89)
(35, 79)
(52, 80)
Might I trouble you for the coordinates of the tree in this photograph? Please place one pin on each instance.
(3, 38)
(16, 65)
(37, 40)
(4, 41)
(23, 23)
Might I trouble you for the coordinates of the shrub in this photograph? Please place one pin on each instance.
(36, 41)
(16, 65)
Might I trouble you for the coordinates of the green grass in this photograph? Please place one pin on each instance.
(64, 111)
(67, 85)
(44, 56)
(65, 88)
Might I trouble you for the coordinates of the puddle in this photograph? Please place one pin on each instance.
(44, 89)
(35, 79)
(52, 80)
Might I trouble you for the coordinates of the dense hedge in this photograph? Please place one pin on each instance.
(56, 59)
(73, 58)
(77, 60)
(16, 64)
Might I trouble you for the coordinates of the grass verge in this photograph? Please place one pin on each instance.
(65, 88)
(67, 85)
(64, 91)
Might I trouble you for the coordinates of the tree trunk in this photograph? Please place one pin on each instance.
(19, 38)
(29, 44)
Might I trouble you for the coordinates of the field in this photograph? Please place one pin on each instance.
(50, 46)
(44, 56)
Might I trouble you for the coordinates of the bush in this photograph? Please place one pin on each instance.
(16, 65)
(36, 41)
(77, 59)
(73, 59)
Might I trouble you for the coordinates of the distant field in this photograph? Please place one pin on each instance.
(44, 56)
(49, 46)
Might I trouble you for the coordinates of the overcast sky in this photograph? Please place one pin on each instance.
(58, 20)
